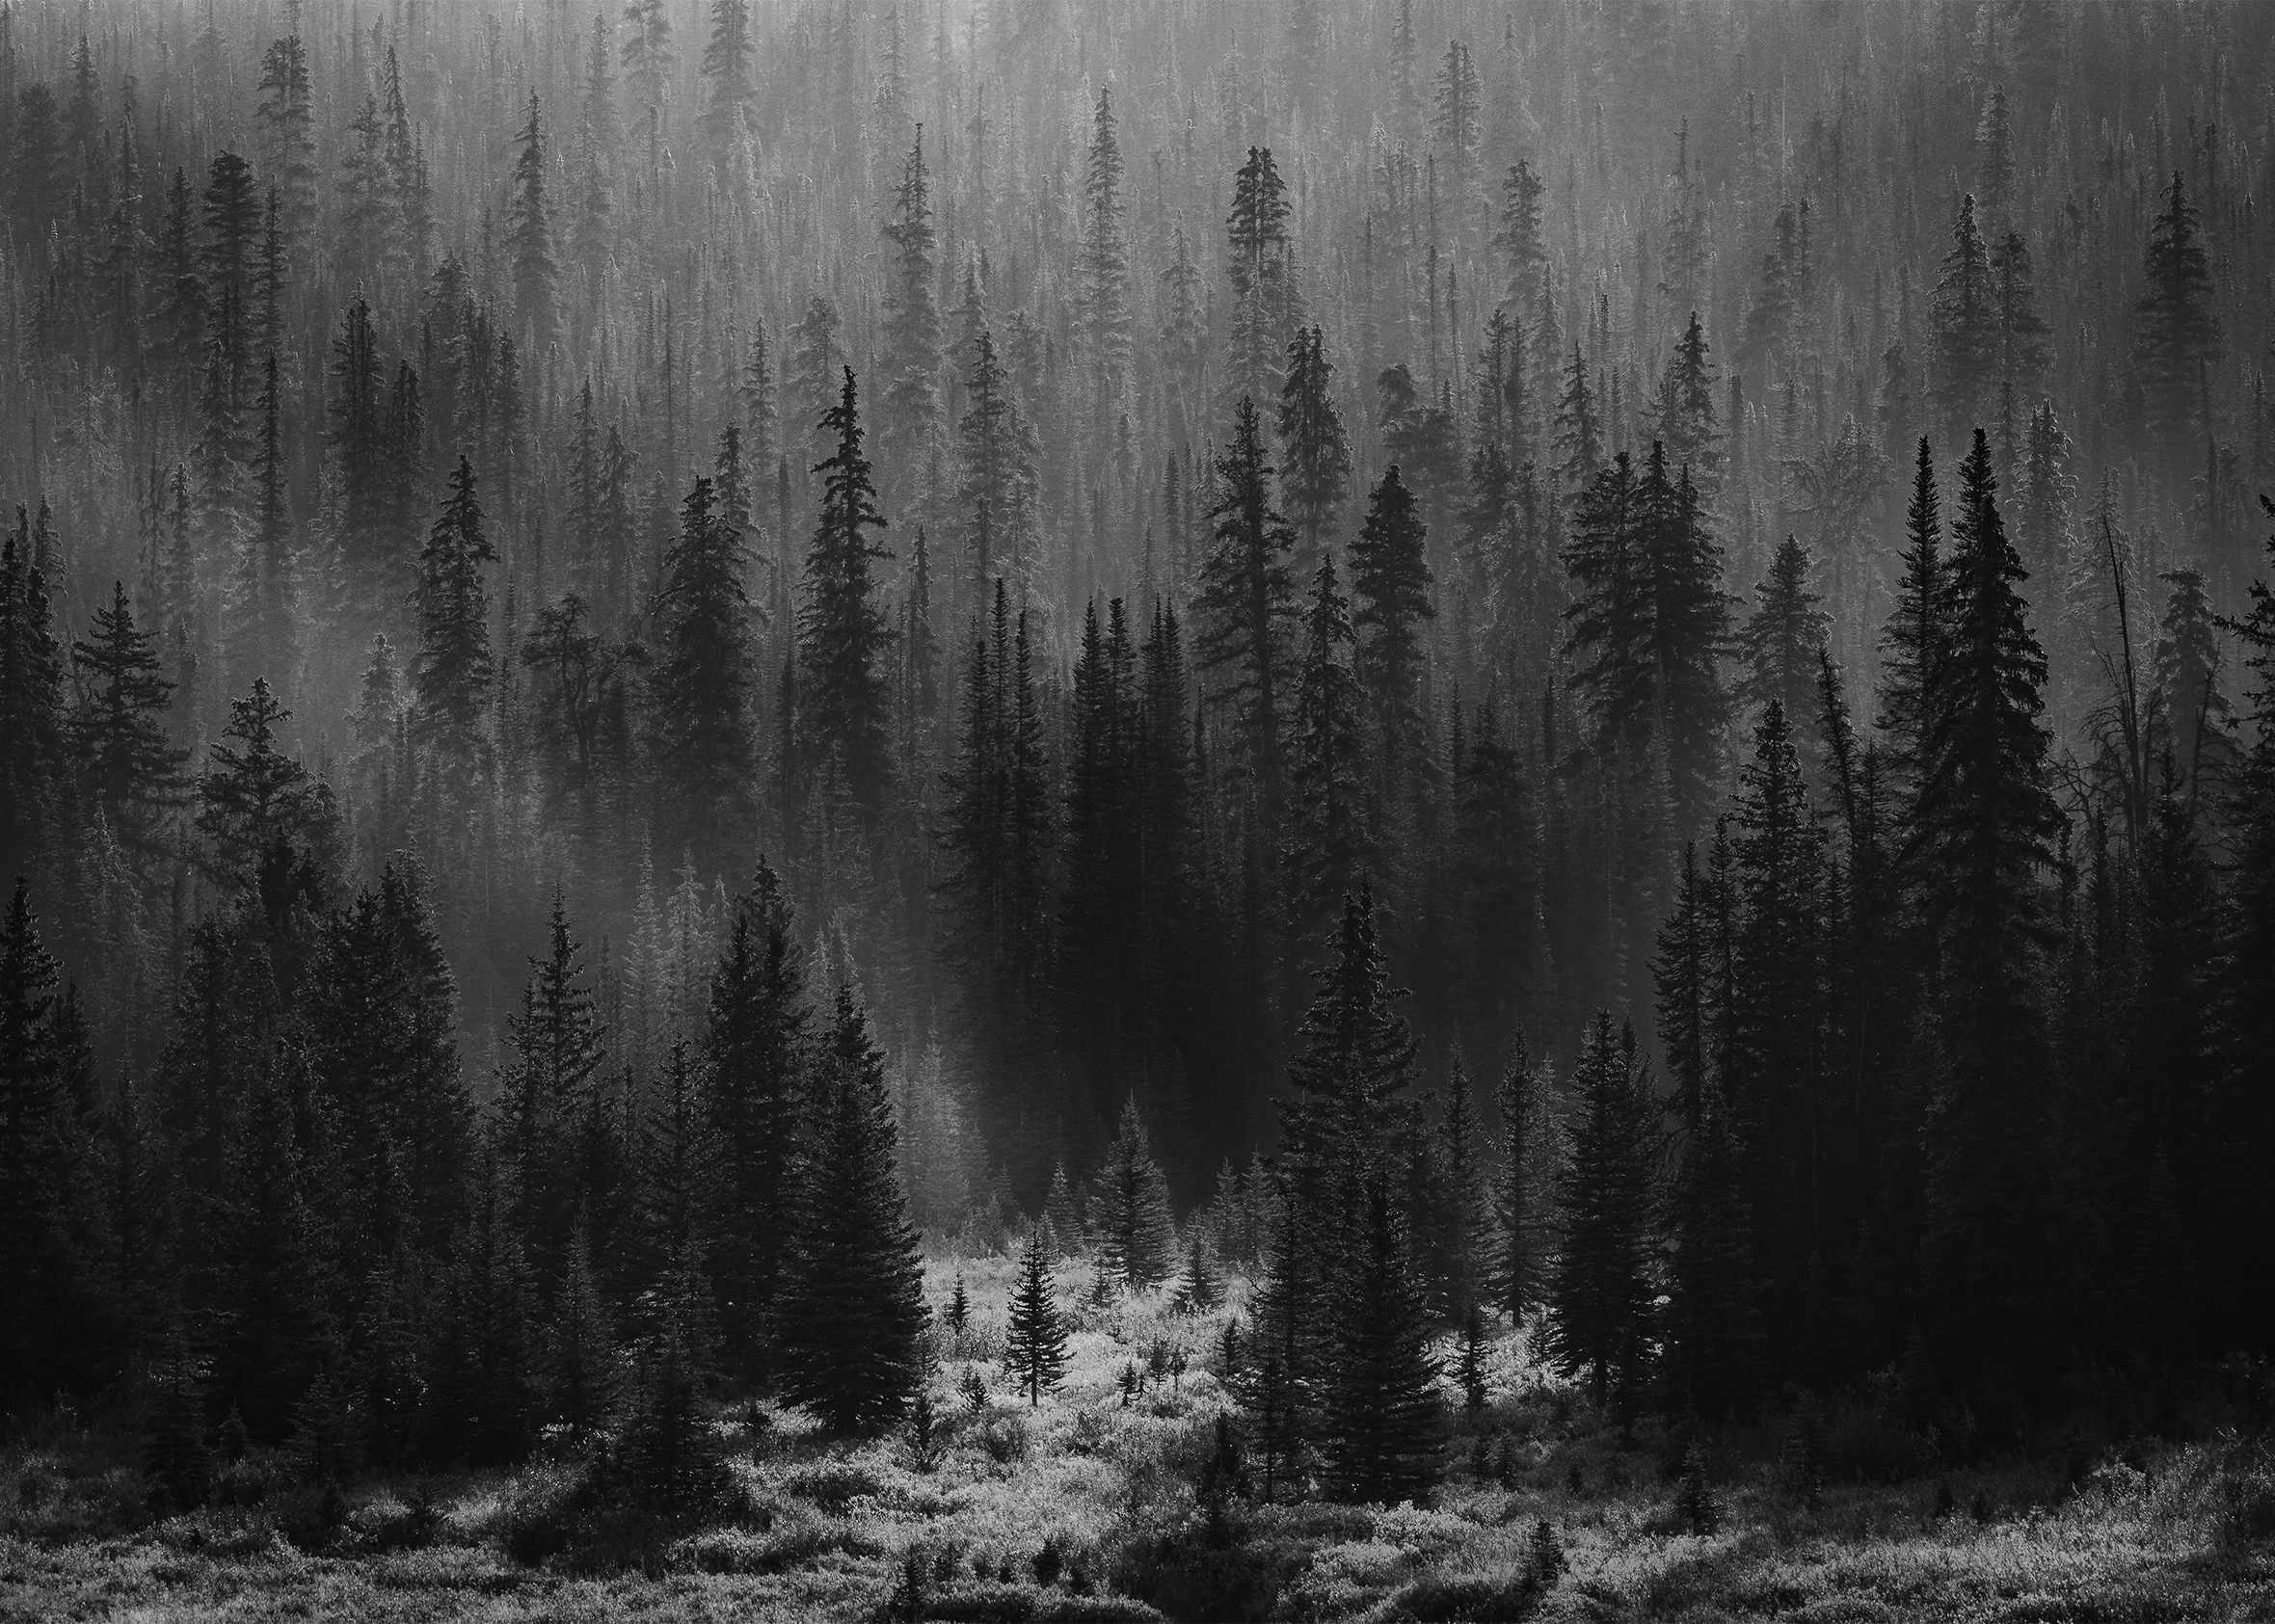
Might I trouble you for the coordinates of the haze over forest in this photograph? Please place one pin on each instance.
(1606, 664)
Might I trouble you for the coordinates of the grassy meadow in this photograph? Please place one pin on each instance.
(1086, 1507)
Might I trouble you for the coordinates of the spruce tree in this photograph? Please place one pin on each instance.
(1103, 270)
(911, 327)
(727, 69)
(1964, 323)
(270, 824)
(33, 757)
(853, 1306)
(1515, 1269)
(547, 1095)
(1913, 644)
(1135, 1234)
(1712, 1362)
(1035, 1342)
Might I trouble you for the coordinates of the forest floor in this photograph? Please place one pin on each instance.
(1085, 1508)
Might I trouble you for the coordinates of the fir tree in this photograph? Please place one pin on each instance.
(270, 822)
(1103, 270)
(1913, 644)
(546, 1094)
(1964, 322)
(1261, 272)
(853, 1305)
(288, 155)
(1713, 1353)
(1035, 1343)
(32, 759)
(1516, 1267)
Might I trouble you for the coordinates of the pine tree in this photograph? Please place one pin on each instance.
(530, 238)
(1035, 1342)
(1315, 474)
(1135, 1234)
(454, 670)
(844, 700)
(1247, 601)
(1381, 1437)
(701, 685)
(2179, 334)
(1599, 1292)
(129, 766)
(853, 1306)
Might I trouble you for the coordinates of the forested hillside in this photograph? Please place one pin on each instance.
(1602, 668)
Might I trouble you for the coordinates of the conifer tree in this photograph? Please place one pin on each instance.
(546, 1096)
(1379, 1423)
(130, 767)
(1328, 847)
(1684, 410)
(481, 1400)
(454, 670)
(1980, 831)
(1263, 275)
(1135, 1234)
(1315, 474)
(1779, 642)
(32, 723)
(1247, 601)
(1103, 270)
(2179, 334)
(1390, 577)
(853, 1305)
(1579, 427)
(726, 68)
(1516, 1267)
(702, 686)
(1964, 322)
(845, 698)
(1599, 1292)
(266, 637)
(271, 1260)
(270, 822)
(286, 115)
(57, 1331)
(1713, 1339)
(1912, 646)
(754, 1045)
(529, 237)
(1035, 1342)
(911, 329)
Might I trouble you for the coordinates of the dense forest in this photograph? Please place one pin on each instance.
(1602, 667)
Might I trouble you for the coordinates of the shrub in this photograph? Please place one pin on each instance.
(2246, 1480)
(794, 1544)
(1437, 1596)
(832, 1484)
(1004, 1438)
